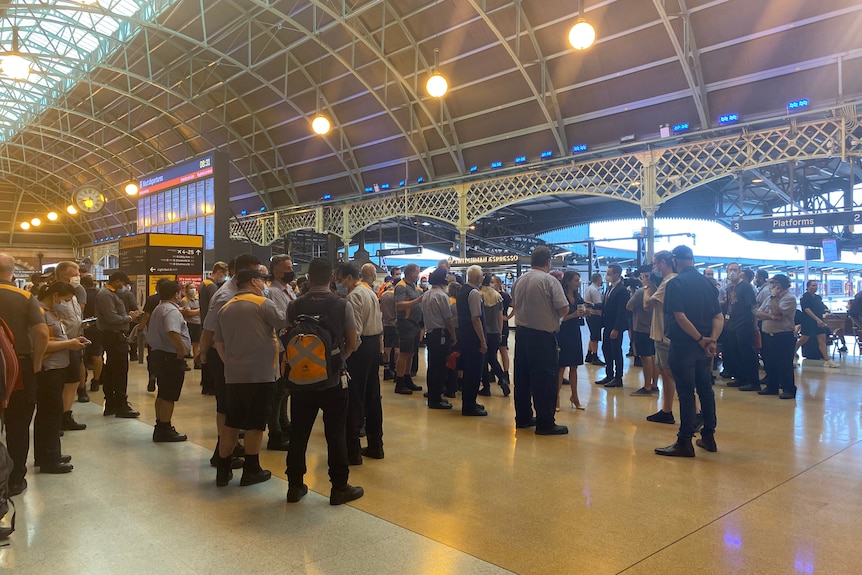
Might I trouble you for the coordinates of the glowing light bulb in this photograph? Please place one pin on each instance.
(71, 210)
(25, 225)
(52, 216)
(436, 86)
(321, 125)
(132, 188)
(582, 35)
(35, 222)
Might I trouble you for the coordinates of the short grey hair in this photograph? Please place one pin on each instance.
(475, 273)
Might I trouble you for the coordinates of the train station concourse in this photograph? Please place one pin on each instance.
(160, 137)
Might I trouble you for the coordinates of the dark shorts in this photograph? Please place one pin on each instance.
(170, 373)
(195, 330)
(390, 336)
(73, 371)
(644, 345)
(594, 323)
(249, 405)
(504, 337)
(95, 348)
(408, 334)
(215, 369)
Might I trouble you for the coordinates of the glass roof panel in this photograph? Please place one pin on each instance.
(60, 39)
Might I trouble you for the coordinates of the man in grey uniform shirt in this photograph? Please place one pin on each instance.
(169, 341)
(539, 303)
(208, 354)
(245, 338)
(281, 295)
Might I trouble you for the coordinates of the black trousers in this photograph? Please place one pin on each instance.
(278, 415)
(115, 375)
(437, 342)
(472, 360)
(535, 376)
(778, 352)
(492, 364)
(49, 415)
(740, 340)
(365, 405)
(19, 414)
(613, 352)
(692, 370)
(304, 405)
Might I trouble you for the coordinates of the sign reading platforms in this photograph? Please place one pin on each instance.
(820, 220)
(400, 251)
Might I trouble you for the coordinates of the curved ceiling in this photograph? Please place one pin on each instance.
(177, 78)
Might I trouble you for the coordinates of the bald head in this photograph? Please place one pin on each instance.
(368, 272)
(7, 267)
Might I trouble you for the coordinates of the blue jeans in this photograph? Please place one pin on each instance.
(692, 370)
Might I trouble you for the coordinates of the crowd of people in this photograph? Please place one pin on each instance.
(276, 349)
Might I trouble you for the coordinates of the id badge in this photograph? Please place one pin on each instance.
(345, 380)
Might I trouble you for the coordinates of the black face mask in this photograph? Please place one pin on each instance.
(288, 277)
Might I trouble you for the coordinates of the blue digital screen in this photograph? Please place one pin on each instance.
(830, 251)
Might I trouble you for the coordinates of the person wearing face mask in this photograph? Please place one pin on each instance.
(211, 360)
(169, 342)
(813, 310)
(363, 365)
(739, 330)
(777, 313)
(728, 365)
(70, 273)
(113, 320)
(208, 288)
(281, 294)
(190, 306)
(150, 305)
(51, 379)
(408, 300)
(245, 339)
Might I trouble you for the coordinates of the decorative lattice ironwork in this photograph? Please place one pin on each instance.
(681, 168)
(647, 178)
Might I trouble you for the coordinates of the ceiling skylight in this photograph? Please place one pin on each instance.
(62, 40)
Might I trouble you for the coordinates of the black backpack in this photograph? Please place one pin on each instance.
(312, 356)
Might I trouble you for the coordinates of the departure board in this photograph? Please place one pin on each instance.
(183, 200)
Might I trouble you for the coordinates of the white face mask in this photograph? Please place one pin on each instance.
(75, 280)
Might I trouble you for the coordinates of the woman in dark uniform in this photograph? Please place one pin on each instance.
(569, 337)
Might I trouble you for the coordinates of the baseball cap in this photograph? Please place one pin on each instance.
(682, 253)
(245, 276)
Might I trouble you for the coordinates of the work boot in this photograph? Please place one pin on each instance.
(83, 397)
(164, 432)
(125, 410)
(69, 423)
(223, 471)
(94, 385)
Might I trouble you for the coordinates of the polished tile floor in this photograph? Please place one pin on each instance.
(471, 495)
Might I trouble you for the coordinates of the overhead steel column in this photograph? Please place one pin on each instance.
(649, 200)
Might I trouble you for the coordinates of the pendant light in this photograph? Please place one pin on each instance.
(437, 85)
(582, 35)
(13, 64)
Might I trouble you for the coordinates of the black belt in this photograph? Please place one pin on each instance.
(369, 336)
(523, 329)
(777, 333)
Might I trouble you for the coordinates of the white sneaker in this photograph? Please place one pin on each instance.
(830, 363)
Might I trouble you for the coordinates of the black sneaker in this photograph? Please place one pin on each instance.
(167, 434)
(661, 417)
(296, 492)
(342, 495)
(151, 384)
(698, 422)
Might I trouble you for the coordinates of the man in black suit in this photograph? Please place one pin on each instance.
(614, 323)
